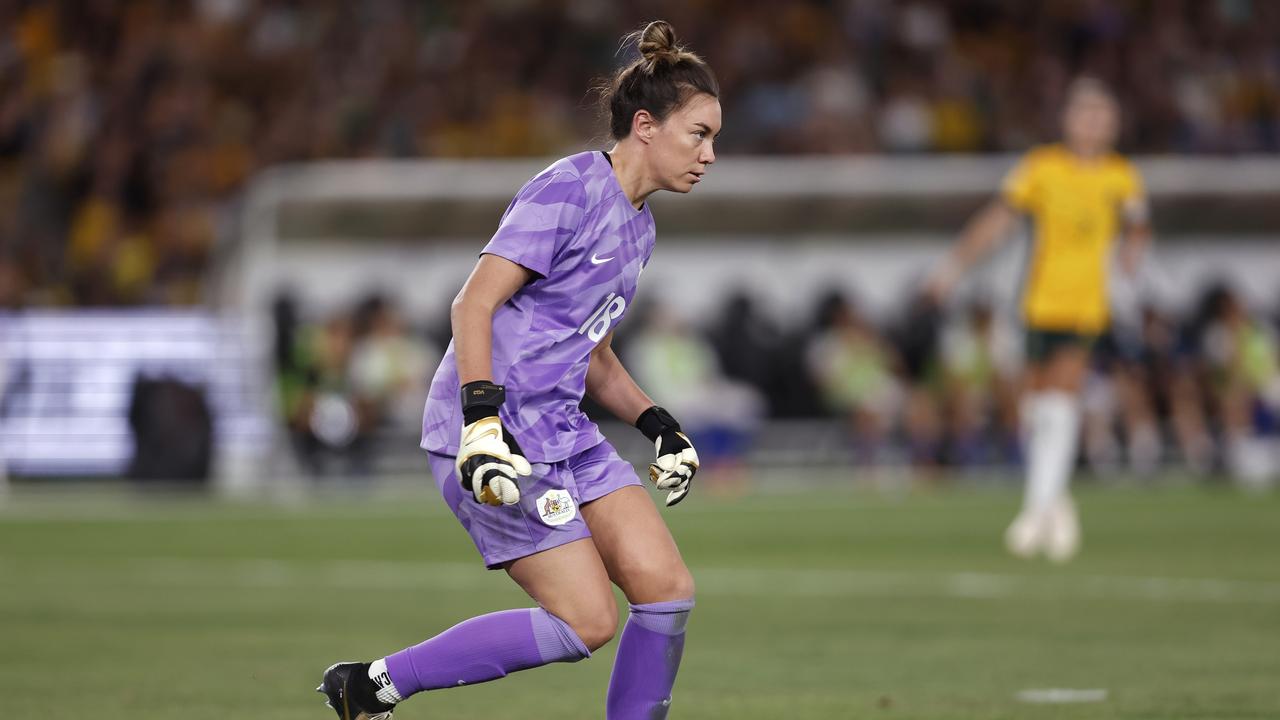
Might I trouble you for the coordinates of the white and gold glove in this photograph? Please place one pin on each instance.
(489, 460)
(677, 460)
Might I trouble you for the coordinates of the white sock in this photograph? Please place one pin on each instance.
(1051, 447)
(387, 692)
(1028, 418)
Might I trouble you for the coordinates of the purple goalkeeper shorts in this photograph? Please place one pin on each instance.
(547, 515)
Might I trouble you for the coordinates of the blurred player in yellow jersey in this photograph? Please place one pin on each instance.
(1079, 196)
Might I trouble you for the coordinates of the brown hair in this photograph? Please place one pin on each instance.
(664, 78)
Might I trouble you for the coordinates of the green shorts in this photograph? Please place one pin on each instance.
(1044, 344)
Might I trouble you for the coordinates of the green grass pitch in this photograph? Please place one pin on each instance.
(830, 604)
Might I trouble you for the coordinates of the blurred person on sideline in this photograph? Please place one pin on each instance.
(542, 493)
(852, 366)
(389, 366)
(1244, 374)
(679, 368)
(982, 363)
(1078, 193)
(915, 338)
(325, 421)
(1100, 407)
(1149, 372)
(1171, 371)
(172, 427)
(749, 345)
(1165, 370)
(1119, 429)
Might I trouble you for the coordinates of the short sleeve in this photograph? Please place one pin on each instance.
(1132, 194)
(1018, 188)
(541, 219)
(1131, 187)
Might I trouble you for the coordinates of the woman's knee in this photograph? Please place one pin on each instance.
(1065, 370)
(646, 583)
(598, 633)
(679, 585)
(593, 617)
(595, 628)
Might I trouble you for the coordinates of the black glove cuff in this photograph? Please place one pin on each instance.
(481, 399)
(655, 421)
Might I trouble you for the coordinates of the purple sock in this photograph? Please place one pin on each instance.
(485, 648)
(648, 658)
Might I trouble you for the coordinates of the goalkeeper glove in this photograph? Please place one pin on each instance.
(677, 460)
(489, 460)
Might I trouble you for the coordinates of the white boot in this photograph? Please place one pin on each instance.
(1026, 534)
(1062, 540)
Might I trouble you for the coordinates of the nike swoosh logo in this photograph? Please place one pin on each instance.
(599, 260)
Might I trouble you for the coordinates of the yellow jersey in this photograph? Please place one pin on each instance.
(1076, 206)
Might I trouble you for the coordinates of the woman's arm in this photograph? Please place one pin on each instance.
(983, 233)
(493, 281)
(609, 384)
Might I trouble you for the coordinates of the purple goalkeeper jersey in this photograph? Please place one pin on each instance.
(572, 225)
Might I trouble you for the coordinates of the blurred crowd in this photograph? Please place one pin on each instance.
(931, 388)
(343, 379)
(127, 127)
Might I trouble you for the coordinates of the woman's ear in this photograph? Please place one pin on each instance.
(643, 125)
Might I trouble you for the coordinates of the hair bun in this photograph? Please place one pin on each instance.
(661, 80)
(658, 39)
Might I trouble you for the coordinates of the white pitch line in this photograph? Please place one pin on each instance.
(742, 582)
(1056, 696)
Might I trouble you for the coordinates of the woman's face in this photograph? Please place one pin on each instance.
(681, 146)
(1091, 123)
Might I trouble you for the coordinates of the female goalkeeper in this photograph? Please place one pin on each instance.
(543, 495)
(1078, 195)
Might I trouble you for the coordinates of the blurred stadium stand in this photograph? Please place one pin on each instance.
(250, 164)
